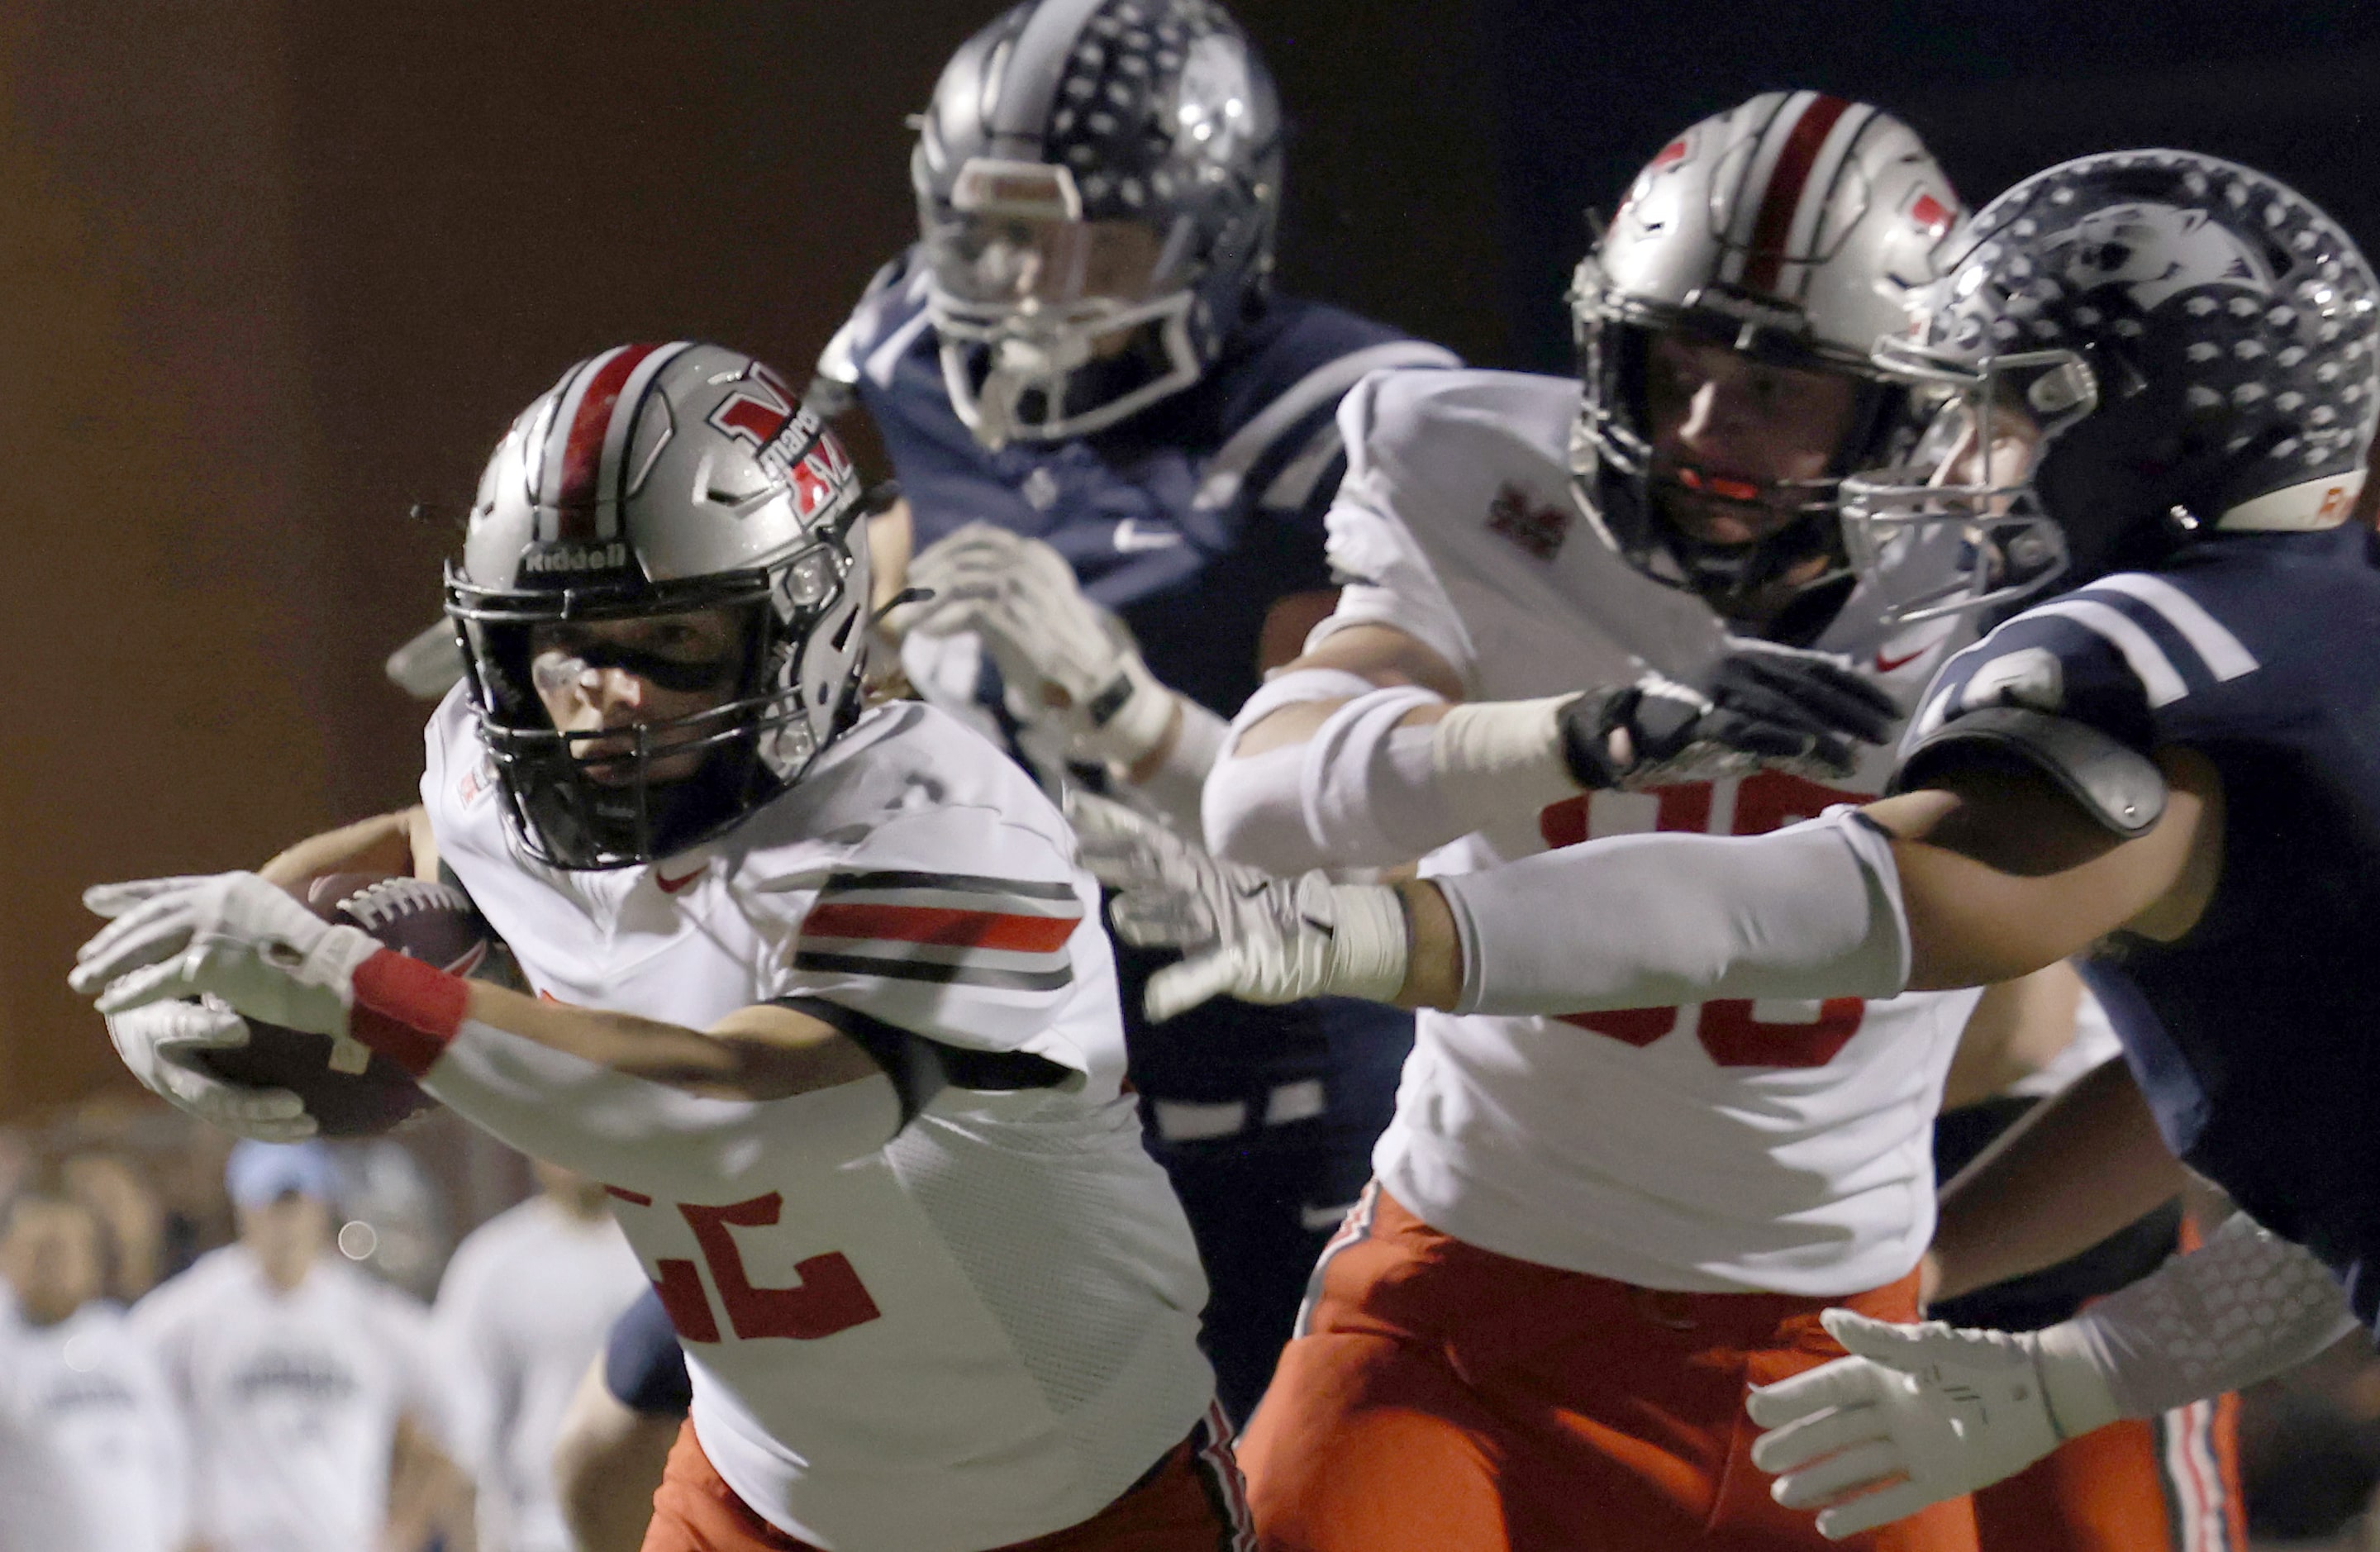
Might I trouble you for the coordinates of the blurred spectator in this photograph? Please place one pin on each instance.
(85, 1395)
(117, 1190)
(523, 1307)
(296, 1375)
(395, 1221)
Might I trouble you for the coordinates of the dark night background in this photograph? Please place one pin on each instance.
(271, 270)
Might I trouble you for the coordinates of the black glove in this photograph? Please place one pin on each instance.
(1768, 706)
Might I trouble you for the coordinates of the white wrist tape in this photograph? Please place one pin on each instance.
(2246, 1305)
(1496, 759)
(1649, 921)
(2074, 1382)
(1368, 947)
(1175, 788)
(1128, 718)
(649, 1136)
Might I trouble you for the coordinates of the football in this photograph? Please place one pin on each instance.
(434, 922)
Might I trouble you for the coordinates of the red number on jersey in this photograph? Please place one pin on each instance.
(829, 1299)
(1768, 800)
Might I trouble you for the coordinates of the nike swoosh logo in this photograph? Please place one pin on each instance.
(672, 886)
(1130, 539)
(1886, 665)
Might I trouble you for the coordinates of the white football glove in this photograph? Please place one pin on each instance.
(231, 934)
(1251, 935)
(1920, 1413)
(1067, 659)
(158, 1042)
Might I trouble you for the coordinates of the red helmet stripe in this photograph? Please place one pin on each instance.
(1774, 226)
(598, 393)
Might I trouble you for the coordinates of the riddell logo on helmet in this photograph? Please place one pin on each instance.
(574, 557)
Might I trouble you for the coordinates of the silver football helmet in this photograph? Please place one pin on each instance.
(1097, 182)
(1792, 230)
(659, 479)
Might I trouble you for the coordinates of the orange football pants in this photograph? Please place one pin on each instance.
(1442, 1398)
(2168, 1483)
(1192, 1500)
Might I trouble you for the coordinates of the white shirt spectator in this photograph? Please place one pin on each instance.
(110, 1439)
(291, 1400)
(523, 1310)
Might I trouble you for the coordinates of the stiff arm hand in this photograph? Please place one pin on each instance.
(1258, 937)
(1920, 1413)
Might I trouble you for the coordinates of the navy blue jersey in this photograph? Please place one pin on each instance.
(1190, 520)
(2248, 1035)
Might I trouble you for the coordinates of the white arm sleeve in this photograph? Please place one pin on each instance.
(2244, 1307)
(1367, 791)
(1175, 787)
(1650, 921)
(648, 1136)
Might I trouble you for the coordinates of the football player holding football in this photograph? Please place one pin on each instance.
(821, 996)
(2154, 372)
(1116, 443)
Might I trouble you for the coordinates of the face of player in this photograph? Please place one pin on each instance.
(285, 1235)
(1980, 444)
(1725, 419)
(599, 674)
(51, 1258)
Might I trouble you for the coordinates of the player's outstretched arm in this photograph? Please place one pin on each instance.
(2080, 1167)
(628, 1100)
(1922, 1413)
(1986, 878)
(1365, 752)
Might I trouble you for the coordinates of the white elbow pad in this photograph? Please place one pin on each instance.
(1809, 912)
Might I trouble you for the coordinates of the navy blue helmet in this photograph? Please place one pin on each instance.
(1097, 182)
(2136, 350)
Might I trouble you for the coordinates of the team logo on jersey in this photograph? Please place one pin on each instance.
(2157, 251)
(1538, 529)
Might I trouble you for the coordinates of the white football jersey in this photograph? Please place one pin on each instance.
(291, 1400)
(971, 1329)
(111, 1435)
(523, 1307)
(1730, 1145)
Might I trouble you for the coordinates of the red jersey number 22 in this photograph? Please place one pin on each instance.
(830, 1297)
